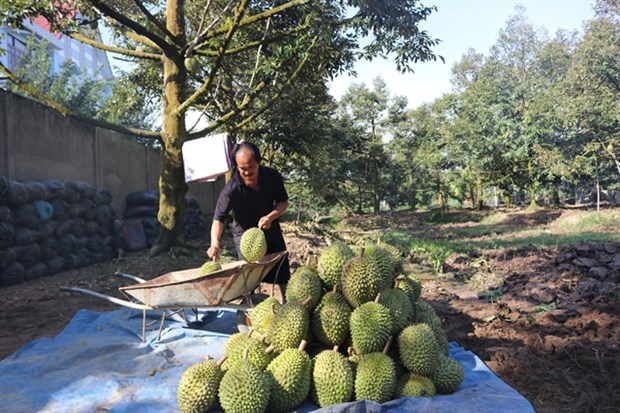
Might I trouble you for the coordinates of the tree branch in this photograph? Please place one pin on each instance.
(257, 43)
(256, 18)
(64, 111)
(217, 63)
(127, 52)
(285, 86)
(136, 27)
(154, 20)
(202, 33)
(223, 119)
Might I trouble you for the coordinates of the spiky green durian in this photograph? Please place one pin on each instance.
(411, 285)
(375, 378)
(425, 313)
(418, 349)
(253, 244)
(448, 375)
(330, 319)
(385, 264)
(289, 327)
(257, 352)
(331, 261)
(401, 310)
(291, 374)
(361, 280)
(370, 326)
(261, 316)
(244, 388)
(209, 267)
(304, 283)
(198, 386)
(397, 256)
(332, 378)
(415, 385)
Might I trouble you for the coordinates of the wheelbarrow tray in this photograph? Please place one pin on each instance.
(189, 289)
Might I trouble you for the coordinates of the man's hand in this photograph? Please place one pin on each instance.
(214, 252)
(264, 222)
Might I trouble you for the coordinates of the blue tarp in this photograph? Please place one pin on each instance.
(99, 364)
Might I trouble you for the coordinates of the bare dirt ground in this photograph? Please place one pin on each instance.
(554, 335)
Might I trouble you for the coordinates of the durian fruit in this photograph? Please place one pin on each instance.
(448, 375)
(253, 244)
(330, 319)
(401, 310)
(261, 316)
(361, 280)
(257, 351)
(414, 385)
(245, 388)
(375, 377)
(198, 386)
(371, 326)
(425, 313)
(304, 283)
(331, 261)
(291, 375)
(289, 327)
(332, 378)
(397, 256)
(209, 267)
(418, 349)
(385, 264)
(411, 285)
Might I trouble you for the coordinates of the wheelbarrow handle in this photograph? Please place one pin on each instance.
(114, 300)
(130, 277)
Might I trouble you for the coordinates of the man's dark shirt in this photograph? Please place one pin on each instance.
(249, 205)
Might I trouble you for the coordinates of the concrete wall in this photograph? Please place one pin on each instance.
(38, 143)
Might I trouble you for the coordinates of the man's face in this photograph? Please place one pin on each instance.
(247, 167)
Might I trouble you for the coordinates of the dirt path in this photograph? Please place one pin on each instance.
(563, 357)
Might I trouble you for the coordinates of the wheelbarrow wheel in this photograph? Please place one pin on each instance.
(243, 319)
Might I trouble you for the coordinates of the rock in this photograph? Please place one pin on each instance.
(603, 257)
(583, 248)
(585, 262)
(542, 294)
(610, 248)
(599, 272)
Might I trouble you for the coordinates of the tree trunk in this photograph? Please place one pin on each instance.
(172, 186)
(479, 193)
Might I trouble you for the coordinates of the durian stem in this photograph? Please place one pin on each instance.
(378, 297)
(302, 345)
(388, 343)
(221, 361)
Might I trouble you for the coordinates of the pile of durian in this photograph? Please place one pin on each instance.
(353, 327)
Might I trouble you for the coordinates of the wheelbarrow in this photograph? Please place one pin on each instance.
(231, 287)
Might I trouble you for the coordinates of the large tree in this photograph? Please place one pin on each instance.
(230, 59)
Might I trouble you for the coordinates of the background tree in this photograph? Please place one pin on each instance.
(232, 59)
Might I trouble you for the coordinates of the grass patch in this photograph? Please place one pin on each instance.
(588, 220)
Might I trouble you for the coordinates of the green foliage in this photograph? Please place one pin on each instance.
(67, 86)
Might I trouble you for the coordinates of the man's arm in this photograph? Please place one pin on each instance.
(279, 209)
(217, 228)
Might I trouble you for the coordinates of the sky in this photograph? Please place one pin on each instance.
(461, 25)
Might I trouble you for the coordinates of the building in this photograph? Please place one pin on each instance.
(87, 61)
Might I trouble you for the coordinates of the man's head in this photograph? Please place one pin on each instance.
(247, 160)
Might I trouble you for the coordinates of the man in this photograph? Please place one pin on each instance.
(257, 198)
